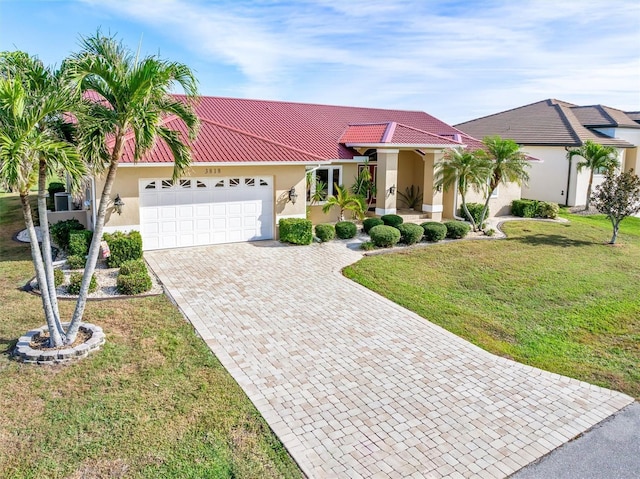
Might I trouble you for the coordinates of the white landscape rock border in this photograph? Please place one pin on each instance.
(24, 352)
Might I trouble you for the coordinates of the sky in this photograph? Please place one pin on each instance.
(457, 60)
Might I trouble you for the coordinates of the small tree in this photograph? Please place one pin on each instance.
(596, 157)
(345, 200)
(618, 197)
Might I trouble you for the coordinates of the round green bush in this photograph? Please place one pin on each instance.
(410, 233)
(392, 220)
(457, 229)
(548, 210)
(370, 223)
(384, 236)
(135, 283)
(434, 231)
(325, 232)
(75, 262)
(346, 229)
(133, 266)
(75, 281)
(58, 277)
(367, 246)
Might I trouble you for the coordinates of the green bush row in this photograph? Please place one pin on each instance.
(384, 236)
(75, 281)
(369, 223)
(434, 231)
(534, 209)
(79, 242)
(295, 231)
(346, 229)
(410, 233)
(133, 277)
(325, 232)
(475, 210)
(123, 247)
(61, 231)
(457, 229)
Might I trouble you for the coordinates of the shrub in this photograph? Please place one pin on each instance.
(346, 229)
(457, 229)
(58, 277)
(548, 210)
(61, 230)
(384, 236)
(55, 187)
(370, 223)
(133, 278)
(410, 233)
(475, 209)
(75, 281)
(325, 232)
(123, 247)
(392, 220)
(524, 208)
(296, 231)
(133, 266)
(79, 242)
(490, 232)
(367, 246)
(434, 231)
(75, 262)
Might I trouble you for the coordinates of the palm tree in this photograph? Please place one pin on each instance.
(596, 157)
(463, 169)
(33, 100)
(345, 200)
(134, 99)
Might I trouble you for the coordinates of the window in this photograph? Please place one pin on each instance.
(185, 183)
(495, 192)
(233, 182)
(150, 186)
(167, 184)
(250, 182)
(321, 182)
(200, 184)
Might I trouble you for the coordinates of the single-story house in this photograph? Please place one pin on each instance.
(256, 161)
(546, 129)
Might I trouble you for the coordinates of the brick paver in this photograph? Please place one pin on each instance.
(357, 386)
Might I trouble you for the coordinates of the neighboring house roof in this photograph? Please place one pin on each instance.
(241, 130)
(600, 116)
(634, 115)
(545, 123)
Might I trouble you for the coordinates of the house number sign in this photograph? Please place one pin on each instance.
(212, 171)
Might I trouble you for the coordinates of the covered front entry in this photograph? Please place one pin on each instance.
(202, 211)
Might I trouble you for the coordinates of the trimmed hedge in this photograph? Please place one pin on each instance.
(434, 231)
(457, 229)
(410, 233)
(75, 281)
(370, 223)
(346, 229)
(123, 247)
(325, 232)
(384, 236)
(58, 277)
(79, 242)
(295, 231)
(475, 209)
(133, 278)
(524, 208)
(392, 220)
(75, 262)
(61, 231)
(55, 187)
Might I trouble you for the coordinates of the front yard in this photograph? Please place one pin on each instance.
(552, 296)
(153, 403)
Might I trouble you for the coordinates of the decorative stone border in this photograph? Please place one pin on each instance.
(25, 353)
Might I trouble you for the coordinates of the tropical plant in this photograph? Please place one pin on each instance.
(507, 165)
(344, 200)
(134, 99)
(319, 192)
(595, 157)
(618, 197)
(33, 101)
(365, 185)
(412, 197)
(463, 170)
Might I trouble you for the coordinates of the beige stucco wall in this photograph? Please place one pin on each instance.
(128, 178)
(410, 172)
(314, 212)
(499, 206)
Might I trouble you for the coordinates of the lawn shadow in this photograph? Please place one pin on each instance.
(552, 240)
(7, 345)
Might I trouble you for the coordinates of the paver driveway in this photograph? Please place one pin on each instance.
(357, 386)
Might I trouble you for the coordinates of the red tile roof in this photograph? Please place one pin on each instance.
(239, 131)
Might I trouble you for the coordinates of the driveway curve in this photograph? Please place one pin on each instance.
(357, 386)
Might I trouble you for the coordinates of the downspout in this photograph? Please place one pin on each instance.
(570, 158)
(93, 203)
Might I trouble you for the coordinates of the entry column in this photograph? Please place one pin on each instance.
(386, 181)
(431, 198)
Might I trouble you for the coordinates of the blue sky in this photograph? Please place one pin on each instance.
(456, 60)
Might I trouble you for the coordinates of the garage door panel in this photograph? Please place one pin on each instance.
(205, 211)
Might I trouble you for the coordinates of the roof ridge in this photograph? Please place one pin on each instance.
(427, 132)
(549, 101)
(567, 121)
(259, 137)
(388, 132)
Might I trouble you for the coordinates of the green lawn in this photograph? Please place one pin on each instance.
(153, 403)
(554, 296)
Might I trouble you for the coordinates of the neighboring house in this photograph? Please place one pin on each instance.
(255, 162)
(546, 129)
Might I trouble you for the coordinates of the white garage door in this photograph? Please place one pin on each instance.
(201, 211)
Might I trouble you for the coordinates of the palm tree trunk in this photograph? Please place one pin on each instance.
(94, 248)
(467, 213)
(589, 190)
(56, 334)
(46, 240)
(483, 216)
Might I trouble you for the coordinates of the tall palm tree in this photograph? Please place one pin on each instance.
(508, 165)
(344, 200)
(595, 157)
(134, 99)
(33, 100)
(463, 170)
